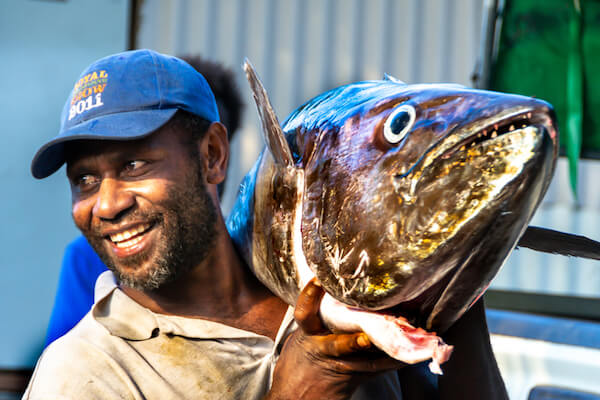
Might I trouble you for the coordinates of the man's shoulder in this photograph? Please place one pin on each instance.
(87, 332)
(87, 343)
(79, 364)
(81, 348)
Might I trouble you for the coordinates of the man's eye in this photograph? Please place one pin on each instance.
(134, 168)
(134, 165)
(86, 181)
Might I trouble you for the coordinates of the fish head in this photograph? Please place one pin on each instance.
(414, 195)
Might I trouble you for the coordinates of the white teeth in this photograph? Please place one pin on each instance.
(128, 243)
(118, 238)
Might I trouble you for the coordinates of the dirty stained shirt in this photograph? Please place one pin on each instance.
(121, 350)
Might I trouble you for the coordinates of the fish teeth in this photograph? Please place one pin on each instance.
(122, 238)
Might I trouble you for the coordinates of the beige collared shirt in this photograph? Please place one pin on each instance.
(121, 350)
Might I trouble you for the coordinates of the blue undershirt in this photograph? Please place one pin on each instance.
(80, 268)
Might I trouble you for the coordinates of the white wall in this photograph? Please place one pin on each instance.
(303, 47)
(44, 46)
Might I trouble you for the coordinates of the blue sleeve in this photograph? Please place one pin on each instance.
(80, 268)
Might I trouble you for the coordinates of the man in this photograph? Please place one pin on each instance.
(81, 266)
(180, 315)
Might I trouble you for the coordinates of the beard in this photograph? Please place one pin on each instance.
(187, 222)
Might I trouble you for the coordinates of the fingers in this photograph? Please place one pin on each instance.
(349, 349)
(349, 353)
(375, 364)
(306, 312)
(337, 345)
(346, 352)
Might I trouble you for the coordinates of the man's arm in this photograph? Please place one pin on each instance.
(472, 371)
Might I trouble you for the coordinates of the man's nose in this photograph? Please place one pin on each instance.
(112, 199)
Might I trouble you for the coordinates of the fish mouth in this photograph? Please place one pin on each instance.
(479, 179)
(492, 129)
(463, 182)
(473, 166)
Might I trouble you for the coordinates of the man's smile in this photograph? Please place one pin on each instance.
(130, 240)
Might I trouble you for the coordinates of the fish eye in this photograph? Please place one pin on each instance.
(398, 123)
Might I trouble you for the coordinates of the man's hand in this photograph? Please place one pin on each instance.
(317, 364)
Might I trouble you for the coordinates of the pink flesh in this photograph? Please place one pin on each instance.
(395, 336)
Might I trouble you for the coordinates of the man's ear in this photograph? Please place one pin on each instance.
(214, 149)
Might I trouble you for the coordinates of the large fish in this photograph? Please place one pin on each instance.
(403, 200)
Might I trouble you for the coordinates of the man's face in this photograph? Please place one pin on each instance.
(143, 206)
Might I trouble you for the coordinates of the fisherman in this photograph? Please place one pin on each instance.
(81, 266)
(179, 314)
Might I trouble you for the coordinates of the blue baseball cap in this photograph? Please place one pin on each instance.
(126, 96)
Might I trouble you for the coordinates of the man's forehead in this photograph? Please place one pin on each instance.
(78, 149)
(166, 136)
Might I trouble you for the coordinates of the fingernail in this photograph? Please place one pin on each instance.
(363, 341)
(311, 291)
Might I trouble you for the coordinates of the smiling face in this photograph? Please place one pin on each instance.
(143, 205)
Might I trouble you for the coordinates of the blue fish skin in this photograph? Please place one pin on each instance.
(404, 199)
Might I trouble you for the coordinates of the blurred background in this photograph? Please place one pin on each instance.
(300, 48)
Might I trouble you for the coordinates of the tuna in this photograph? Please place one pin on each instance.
(403, 200)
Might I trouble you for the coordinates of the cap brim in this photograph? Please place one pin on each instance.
(120, 126)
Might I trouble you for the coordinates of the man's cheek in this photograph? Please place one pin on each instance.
(81, 215)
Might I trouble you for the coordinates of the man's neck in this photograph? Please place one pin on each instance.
(220, 288)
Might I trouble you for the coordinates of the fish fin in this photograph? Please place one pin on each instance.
(272, 132)
(388, 77)
(555, 242)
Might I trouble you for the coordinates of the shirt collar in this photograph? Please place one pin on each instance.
(124, 317)
(118, 313)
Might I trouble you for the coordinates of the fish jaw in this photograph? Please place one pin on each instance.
(394, 336)
(493, 245)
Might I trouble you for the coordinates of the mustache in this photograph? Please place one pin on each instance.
(132, 216)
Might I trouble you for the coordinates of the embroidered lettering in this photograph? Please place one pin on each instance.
(85, 105)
